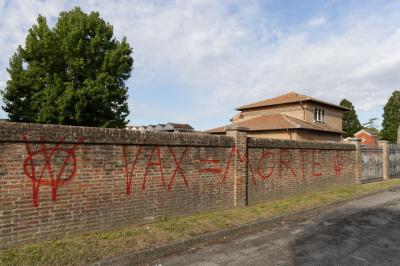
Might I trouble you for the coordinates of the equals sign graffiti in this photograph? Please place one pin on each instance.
(208, 168)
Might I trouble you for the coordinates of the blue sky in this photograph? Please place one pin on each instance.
(196, 60)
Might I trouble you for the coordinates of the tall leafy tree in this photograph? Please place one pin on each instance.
(391, 117)
(351, 124)
(73, 73)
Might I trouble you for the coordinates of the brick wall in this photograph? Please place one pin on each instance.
(281, 167)
(367, 138)
(58, 180)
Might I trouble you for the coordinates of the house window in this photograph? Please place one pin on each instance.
(319, 115)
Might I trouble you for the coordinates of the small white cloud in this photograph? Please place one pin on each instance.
(317, 22)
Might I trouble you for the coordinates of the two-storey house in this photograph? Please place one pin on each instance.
(290, 116)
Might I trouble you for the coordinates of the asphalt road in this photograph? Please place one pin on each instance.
(361, 232)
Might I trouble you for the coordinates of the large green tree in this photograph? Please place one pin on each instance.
(351, 124)
(391, 117)
(73, 73)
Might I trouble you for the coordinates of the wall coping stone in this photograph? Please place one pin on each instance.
(353, 139)
(236, 127)
(14, 131)
(298, 144)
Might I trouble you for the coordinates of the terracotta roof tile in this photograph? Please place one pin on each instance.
(291, 97)
(370, 131)
(276, 122)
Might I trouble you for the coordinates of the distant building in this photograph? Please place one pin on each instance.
(142, 129)
(175, 127)
(290, 116)
(160, 127)
(169, 127)
(368, 137)
(150, 128)
(132, 128)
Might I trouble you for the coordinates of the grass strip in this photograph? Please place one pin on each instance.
(90, 247)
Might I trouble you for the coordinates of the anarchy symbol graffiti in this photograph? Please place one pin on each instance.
(40, 168)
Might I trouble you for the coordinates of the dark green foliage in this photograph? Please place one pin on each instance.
(71, 74)
(351, 124)
(372, 130)
(391, 117)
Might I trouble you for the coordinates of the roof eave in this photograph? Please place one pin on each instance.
(246, 107)
(275, 129)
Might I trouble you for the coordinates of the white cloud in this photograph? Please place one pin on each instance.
(316, 22)
(226, 53)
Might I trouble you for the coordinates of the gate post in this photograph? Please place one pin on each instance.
(384, 144)
(357, 163)
(239, 156)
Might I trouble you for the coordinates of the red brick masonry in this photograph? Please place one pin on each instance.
(59, 180)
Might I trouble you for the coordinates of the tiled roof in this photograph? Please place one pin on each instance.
(181, 126)
(291, 97)
(163, 127)
(277, 122)
(371, 131)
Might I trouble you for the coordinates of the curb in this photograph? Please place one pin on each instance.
(146, 255)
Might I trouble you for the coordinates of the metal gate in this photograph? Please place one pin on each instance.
(394, 160)
(371, 164)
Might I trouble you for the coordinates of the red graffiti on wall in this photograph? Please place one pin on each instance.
(208, 168)
(275, 161)
(33, 162)
(242, 159)
(285, 160)
(315, 164)
(264, 156)
(178, 168)
(129, 174)
(150, 163)
(303, 157)
(338, 163)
